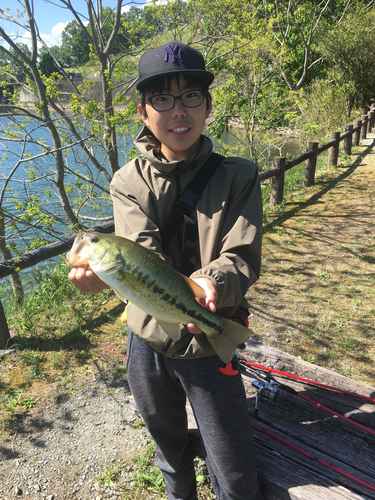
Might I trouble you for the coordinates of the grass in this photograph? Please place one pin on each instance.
(315, 299)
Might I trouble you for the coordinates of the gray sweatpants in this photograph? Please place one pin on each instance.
(159, 386)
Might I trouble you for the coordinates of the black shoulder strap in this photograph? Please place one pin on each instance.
(189, 198)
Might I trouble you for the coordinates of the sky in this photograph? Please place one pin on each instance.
(52, 19)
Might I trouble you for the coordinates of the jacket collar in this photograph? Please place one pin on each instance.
(149, 147)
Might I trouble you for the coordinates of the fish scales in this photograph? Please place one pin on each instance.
(138, 275)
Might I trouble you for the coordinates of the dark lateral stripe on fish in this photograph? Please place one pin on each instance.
(146, 280)
(207, 322)
(157, 289)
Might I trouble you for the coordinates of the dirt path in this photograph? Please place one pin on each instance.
(316, 295)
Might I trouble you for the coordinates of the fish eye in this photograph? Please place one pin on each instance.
(94, 239)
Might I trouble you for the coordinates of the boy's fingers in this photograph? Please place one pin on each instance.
(85, 279)
(210, 305)
(193, 329)
(208, 302)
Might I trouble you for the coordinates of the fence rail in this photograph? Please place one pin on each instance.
(351, 137)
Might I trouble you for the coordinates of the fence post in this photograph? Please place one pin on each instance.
(372, 111)
(347, 142)
(4, 330)
(333, 152)
(370, 115)
(310, 164)
(357, 133)
(364, 119)
(277, 181)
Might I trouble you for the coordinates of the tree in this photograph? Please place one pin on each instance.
(349, 52)
(241, 50)
(142, 24)
(13, 69)
(265, 55)
(76, 44)
(297, 29)
(47, 64)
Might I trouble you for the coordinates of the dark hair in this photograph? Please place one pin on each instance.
(164, 83)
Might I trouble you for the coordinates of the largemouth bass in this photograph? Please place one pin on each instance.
(138, 275)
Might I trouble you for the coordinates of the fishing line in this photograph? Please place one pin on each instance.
(115, 352)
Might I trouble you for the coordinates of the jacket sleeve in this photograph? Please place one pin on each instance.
(235, 262)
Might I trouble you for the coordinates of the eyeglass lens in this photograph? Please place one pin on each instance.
(165, 102)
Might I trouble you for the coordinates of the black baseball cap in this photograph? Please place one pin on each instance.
(171, 58)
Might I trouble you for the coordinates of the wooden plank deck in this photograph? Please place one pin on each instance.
(339, 458)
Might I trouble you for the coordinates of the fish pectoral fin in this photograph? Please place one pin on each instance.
(120, 295)
(171, 329)
(197, 290)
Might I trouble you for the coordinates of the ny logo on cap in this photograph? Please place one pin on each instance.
(175, 53)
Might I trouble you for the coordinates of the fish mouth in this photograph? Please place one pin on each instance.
(77, 256)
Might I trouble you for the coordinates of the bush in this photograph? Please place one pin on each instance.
(323, 110)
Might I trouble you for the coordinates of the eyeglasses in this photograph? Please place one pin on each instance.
(165, 102)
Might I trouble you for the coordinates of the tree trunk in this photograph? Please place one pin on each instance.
(4, 330)
(109, 129)
(15, 279)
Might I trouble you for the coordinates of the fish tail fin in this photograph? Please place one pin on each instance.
(227, 342)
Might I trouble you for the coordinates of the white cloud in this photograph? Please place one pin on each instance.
(53, 38)
(58, 29)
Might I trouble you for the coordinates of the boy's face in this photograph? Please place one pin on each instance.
(180, 128)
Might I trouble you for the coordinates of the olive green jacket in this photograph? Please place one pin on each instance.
(229, 219)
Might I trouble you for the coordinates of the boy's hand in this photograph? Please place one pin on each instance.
(208, 302)
(84, 278)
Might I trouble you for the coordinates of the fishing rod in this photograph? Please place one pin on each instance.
(268, 389)
(301, 379)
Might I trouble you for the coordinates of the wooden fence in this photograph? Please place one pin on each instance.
(351, 137)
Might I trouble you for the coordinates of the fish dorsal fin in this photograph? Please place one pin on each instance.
(197, 290)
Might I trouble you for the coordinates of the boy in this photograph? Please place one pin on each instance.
(227, 223)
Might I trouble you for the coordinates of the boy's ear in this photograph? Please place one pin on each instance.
(209, 105)
(143, 117)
